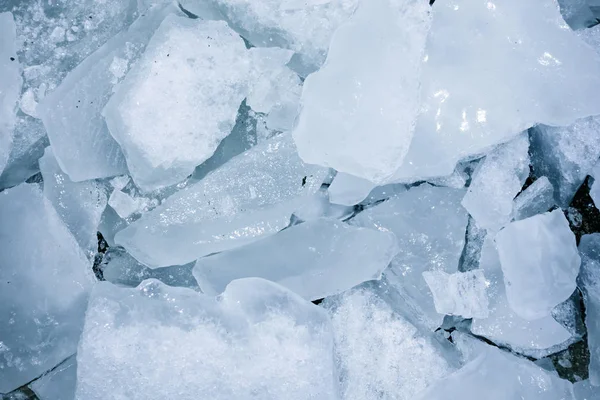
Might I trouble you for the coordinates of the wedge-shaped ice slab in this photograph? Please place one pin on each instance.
(493, 70)
(358, 116)
(44, 282)
(535, 199)
(251, 196)
(496, 182)
(540, 262)
(72, 116)
(496, 375)
(460, 293)
(256, 341)
(315, 259)
(381, 355)
(58, 384)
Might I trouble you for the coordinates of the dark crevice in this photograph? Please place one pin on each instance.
(588, 220)
(102, 248)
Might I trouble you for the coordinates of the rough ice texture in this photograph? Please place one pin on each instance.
(537, 198)
(460, 293)
(258, 340)
(494, 69)
(44, 282)
(566, 155)
(381, 355)
(496, 182)
(315, 259)
(503, 326)
(430, 225)
(251, 196)
(58, 384)
(589, 282)
(79, 204)
(348, 189)
(358, 115)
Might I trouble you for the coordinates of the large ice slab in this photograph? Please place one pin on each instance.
(315, 259)
(251, 196)
(358, 116)
(257, 340)
(496, 182)
(44, 282)
(493, 70)
(460, 293)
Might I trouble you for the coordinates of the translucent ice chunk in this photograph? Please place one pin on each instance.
(540, 262)
(44, 282)
(123, 204)
(585, 391)
(348, 189)
(537, 198)
(59, 384)
(315, 259)
(249, 197)
(358, 116)
(257, 340)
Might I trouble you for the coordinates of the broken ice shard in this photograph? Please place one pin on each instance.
(540, 263)
(257, 340)
(358, 116)
(348, 189)
(44, 282)
(251, 196)
(58, 384)
(537, 198)
(315, 259)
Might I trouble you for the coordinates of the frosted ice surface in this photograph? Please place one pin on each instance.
(315, 259)
(430, 226)
(72, 116)
(537, 198)
(79, 204)
(379, 353)
(251, 196)
(59, 384)
(589, 282)
(460, 293)
(257, 340)
(492, 71)
(348, 189)
(584, 391)
(540, 262)
(496, 182)
(44, 282)
(358, 116)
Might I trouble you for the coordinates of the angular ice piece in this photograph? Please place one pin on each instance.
(496, 375)
(315, 259)
(349, 190)
(72, 116)
(381, 355)
(430, 225)
(540, 262)
(458, 179)
(566, 155)
(59, 384)
(358, 116)
(536, 199)
(79, 204)
(496, 182)
(493, 70)
(251, 196)
(122, 203)
(577, 13)
(460, 293)
(584, 391)
(258, 340)
(44, 282)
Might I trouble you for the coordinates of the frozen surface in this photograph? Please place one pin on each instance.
(44, 282)
(584, 391)
(496, 182)
(537, 198)
(59, 384)
(358, 116)
(315, 259)
(348, 189)
(540, 263)
(251, 196)
(460, 293)
(258, 340)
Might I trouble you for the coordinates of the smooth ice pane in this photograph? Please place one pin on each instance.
(537, 198)
(256, 341)
(358, 115)
(348, 189)
(251, 196)
(540, 263)
(58, 384)
(315, 259)
(44, 284)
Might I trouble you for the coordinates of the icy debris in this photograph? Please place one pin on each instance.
(44, 281)
(460, 293)
(251, 196)
(58, 384)
(348, 189)
(257, 340)
(379, 353)
(493, 70)
(358, 116)
(315, 259)
(566, 155)
(79, 204)
(537, 198)
(496, 182)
